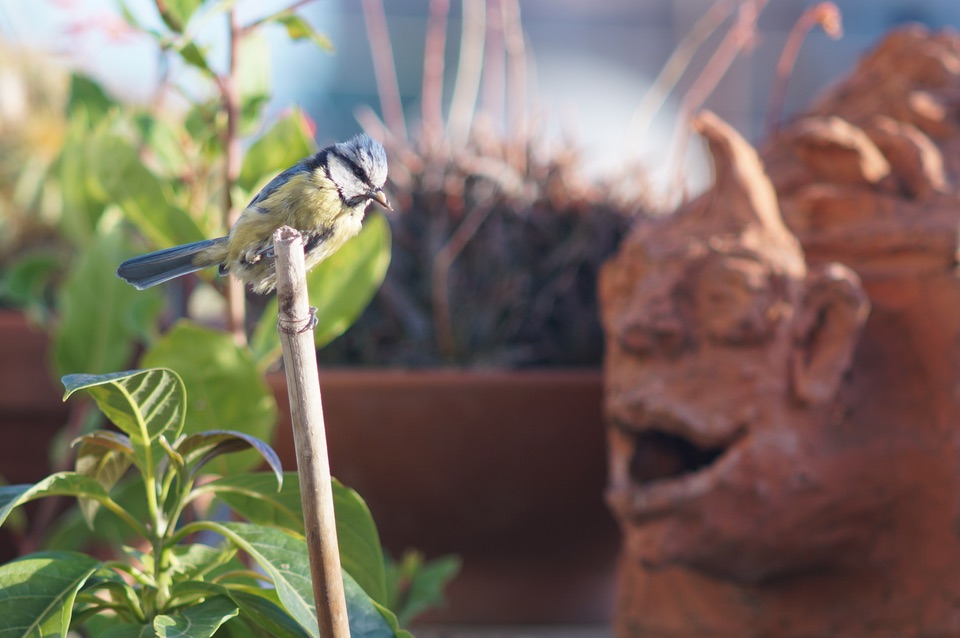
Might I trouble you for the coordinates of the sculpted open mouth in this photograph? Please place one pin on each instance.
(659, 456)
(659, 464)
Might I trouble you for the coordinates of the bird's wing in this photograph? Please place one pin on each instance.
(277, 182)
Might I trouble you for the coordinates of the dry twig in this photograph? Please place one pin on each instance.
(828, 16)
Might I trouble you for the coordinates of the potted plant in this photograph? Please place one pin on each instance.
(120, 179)
(176, 568)
(478, 362)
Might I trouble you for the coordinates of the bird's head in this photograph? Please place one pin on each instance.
(358, 168)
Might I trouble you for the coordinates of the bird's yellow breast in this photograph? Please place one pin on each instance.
(308, 202)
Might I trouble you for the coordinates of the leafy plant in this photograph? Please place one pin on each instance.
(499, 236)
(119, 179)
(182, 574)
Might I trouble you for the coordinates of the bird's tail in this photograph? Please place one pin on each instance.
(155, 268)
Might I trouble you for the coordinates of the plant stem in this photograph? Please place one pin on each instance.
(273, 16)
(469, 70)
(739, 37)
(493, 65)
(827, 15)
(384, 68)
(433, 52)
(229, 93)
(516, 72)
(673, 70)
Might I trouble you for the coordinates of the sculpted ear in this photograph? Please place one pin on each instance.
(826, 332)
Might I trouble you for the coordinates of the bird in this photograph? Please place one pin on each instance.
(323, 196)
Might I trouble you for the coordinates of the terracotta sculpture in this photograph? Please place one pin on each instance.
(783, 428)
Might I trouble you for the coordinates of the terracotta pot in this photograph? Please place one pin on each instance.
(506, 469)
(31, 409)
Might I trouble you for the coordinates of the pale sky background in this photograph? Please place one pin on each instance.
(590, 63)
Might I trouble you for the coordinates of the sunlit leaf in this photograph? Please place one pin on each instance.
(104, 456)
(142, 403)
(176, 13)
(201, 448)
(37, 593)
(299, 29)
(200, 620)
(226, 390)
(255, 497)
(59, 484)
(283, 556)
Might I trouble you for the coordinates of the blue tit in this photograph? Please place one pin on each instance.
(323, 196)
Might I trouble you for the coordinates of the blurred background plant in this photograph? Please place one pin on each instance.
(89, 180)
(499, 234)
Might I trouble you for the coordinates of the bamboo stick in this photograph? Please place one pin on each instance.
(296, 321)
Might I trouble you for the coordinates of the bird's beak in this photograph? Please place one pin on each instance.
(379, 197)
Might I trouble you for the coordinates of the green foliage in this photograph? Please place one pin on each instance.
(37, 592)
(282, 146)
(101, 317)
(128, 175)
(129, 179)
(180, 585)
(226, 388)
(416, 584)
(126, 179)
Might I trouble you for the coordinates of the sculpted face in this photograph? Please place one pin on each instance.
(714, 453)
(784, 457)
(725, 357)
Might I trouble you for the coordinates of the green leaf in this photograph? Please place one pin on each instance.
(104, 456)
(95, 333)
(283, 556)
(87, 96)
(257, 604)
(286, 143)
(117, 174)
(300, 29)
(267, 615)
(164, 140)
(227, 391)
(255, 497)
(81, 209)
(25, 282)
(59, 484)
(176, 13)
(195, 56)
(258, 498)
(199, 449)
(195, 560)
(71, 532)
(339, 287)
(128, 630)
(416, 584)
(200, 620)
(142, 403)
(37, 593)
